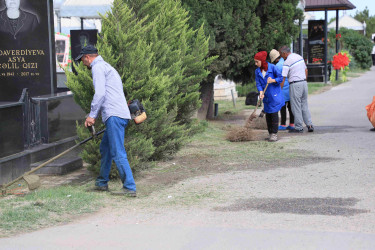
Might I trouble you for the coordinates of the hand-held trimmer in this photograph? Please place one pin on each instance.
(33, 181)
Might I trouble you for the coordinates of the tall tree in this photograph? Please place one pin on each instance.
(364, 16)
(277, 20)
(233, 29)
(238, 29)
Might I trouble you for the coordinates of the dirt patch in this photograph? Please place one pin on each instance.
(239, 134)
(181, 168)
(310, 206)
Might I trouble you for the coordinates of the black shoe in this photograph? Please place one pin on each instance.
(372, 129)
(310, 128)
(125, 192)
(296, 131)
(98, 189)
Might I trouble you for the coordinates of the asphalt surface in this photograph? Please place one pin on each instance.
(324, 205)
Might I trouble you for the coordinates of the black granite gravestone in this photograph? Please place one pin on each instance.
(316, 51)
(80, 39)
(316, 41)
(27, 53)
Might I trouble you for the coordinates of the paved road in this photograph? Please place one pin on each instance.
(329, 204)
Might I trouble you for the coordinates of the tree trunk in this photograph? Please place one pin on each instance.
(207, 96)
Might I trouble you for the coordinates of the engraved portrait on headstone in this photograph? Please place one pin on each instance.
(81, 38)
(84, 39)
(16, 21)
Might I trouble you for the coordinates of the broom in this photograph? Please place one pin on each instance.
(246, 133)
(254, 115)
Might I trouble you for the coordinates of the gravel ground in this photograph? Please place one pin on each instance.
(326, 204)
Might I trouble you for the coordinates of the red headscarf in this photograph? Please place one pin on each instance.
(261, 56)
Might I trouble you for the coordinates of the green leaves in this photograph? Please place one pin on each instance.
(238, 29)
(359, 46)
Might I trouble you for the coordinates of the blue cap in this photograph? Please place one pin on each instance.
(89, 49)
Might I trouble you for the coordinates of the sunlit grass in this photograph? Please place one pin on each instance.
(45, 207)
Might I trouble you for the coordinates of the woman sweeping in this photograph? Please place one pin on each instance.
(273, 100)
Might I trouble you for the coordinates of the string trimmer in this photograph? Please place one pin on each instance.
(33, 181)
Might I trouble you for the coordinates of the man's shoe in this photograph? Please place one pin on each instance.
(372, 129)
(296, 131)
(98, 189)
(282, 127)
(273, 138)
(125, 192)
(310, 128)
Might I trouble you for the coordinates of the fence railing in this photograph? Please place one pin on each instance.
(31, 111)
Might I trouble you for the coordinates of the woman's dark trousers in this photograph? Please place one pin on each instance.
(272, 122)
(283, 114)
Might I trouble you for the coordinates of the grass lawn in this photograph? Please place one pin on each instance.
(45, 207)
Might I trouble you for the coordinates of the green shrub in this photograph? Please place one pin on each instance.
(359, 47)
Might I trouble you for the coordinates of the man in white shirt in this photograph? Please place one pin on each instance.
(295, 70)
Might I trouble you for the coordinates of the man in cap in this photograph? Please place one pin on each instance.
(295, 70)
(109, 99)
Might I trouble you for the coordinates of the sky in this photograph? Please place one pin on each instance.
(359, 4)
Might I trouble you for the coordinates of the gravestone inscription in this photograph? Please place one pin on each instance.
(27, 53)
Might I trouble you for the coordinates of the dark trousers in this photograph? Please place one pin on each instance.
(283, 114)
(272, 122)
(373, 59)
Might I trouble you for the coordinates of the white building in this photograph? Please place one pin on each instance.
(349, 22)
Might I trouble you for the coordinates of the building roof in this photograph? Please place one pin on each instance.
(85, 8)
(348, 22)
(316, 5)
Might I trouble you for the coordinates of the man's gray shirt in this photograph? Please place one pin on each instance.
(109, 96)
(294, 68)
